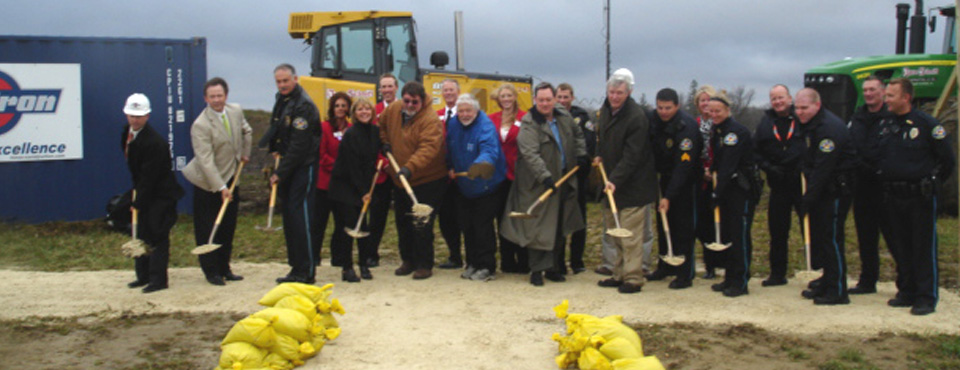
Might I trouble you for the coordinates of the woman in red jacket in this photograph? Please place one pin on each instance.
(333, 129)
(512, 257)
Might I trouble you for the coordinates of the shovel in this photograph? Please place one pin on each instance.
(210, 247)
(419, 210)
(482, 170)
(716, 246)
(619, 232)
(670, 259)
(273, 202)
(808, 274)
(134, 247)
(355, 232)
(543, 197)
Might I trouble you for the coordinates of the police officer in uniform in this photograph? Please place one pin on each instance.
(779, 148)
(868, 199)
(676, 146)
(914, 159)
(736, 193)
(827, 165)
(294, 135)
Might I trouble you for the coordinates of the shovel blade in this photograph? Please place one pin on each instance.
(619, 233)
(521, 215)
(134, 248)
(674, 260)
(356, 234)
(717, 247)
(204, 249)
(806, 275)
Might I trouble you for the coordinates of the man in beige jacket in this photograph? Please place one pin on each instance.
(221, 139)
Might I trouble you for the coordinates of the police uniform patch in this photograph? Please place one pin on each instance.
(939, 133)
(299, 123)
(827, 145)
(669, 143)
(686, 144)
(731, 139)
(914, 132)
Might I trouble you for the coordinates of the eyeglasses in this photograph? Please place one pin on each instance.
(411, 101)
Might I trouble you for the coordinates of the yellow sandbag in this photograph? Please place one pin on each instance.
(609, 328)
(300, 304)
(292, 349)
(618, 348)
(256, 331)
(288, 322)
(564, 360)
(327, 320)
(592, 359)
(642, 363)
(313, 292)
(331, 307)
(241, 356)
(274, 361)
(561, 309)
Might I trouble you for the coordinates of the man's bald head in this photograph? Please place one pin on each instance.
(809, 93)
(780, 99)
(807, 104)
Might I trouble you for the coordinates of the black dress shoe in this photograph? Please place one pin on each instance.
(232, 277)
(603, 271)
(680, 284)
(610, 283)
(373, 262)
(365, 273)
(150, 288)
(862, 289)
(136, 284)
(578, 269)
(295, 279)
(215, 280)
(536, 278)
(814, 284)
(900, 302)
(658, 275)
(451, 264)
(831, 300)
(629, 288)
(719, 287)
(404, 270)
(811, 293)
(921, 310)
(554, 276)
(735, 292)
(350, 276)
(710, 274)
(774, 281)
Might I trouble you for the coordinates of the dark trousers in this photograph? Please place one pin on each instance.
(578, 240)
(870, 223)
(447, 216)
(552, 260)
(378, 210)
(416, 238)
(785, 197)
(912, 222)
(154, 224)
(705, 228)
(512, 257)
(476, 222)
(736, 218)
(297, 207)
(206, 206)
(827, 218)
(324, 207)
(682, 219)
(342, 249)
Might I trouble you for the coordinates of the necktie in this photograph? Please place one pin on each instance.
(449, 113)
(226, 123)
(556, 135)
(126, 149)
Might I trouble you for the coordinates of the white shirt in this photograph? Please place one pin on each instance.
(451, 111)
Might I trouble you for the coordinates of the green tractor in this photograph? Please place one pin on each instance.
(933, 76)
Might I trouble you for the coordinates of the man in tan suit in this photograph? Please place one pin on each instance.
(221, 139)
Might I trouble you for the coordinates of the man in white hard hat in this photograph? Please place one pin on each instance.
(148, 158)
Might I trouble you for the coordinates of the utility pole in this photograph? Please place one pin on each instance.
(606, 10)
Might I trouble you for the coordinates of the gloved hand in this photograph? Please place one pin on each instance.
(805, 207)
(405, 172)
(583, 162)
(715, 197)
(775, 172)
(385, 148)
(548, 183)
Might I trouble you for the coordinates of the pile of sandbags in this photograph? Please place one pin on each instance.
(594, 343)
(295, 326)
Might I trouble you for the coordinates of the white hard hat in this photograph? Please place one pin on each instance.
(137, 105)
(624, 75)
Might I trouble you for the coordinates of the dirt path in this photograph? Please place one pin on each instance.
(390, 321)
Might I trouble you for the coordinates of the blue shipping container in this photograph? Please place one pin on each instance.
(60, 150)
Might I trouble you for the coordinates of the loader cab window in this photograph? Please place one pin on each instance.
(357, 42)
(401, 53)
(344, 51)
(328, 53)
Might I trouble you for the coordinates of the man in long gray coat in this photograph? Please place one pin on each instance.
(627, 155)
(550, 145)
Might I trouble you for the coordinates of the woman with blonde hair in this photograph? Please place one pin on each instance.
(705, 232)
(507, 122)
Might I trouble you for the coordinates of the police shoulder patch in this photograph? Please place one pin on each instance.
(939, 133)
(827, 145)
(686, 144)
(731, 139)
(299, 123)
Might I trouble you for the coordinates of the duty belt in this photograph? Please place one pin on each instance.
(903, 188)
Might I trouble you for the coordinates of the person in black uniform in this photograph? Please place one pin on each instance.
(868, 198)
(914, 159)
(294, 135)
(676, 146)
(157, 192)
(827, 165)
(733, 164)
(578, 241)
(778, 150)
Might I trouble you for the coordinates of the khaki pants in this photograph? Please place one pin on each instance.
(629, 266)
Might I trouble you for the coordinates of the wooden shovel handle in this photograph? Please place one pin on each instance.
(273, 188)
(557, 184)
(603, 175)
(806, 216)
(716, 208)
(373, 185)
(133, 215)
(403, 179)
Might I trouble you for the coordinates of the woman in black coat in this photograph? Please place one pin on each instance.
(350, 181)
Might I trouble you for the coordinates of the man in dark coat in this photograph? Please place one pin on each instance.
(156, 192)
(578, 240)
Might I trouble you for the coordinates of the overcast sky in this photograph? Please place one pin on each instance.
(665, 43)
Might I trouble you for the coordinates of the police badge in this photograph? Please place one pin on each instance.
(731, 139)
(939, 133)
(299, 123)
